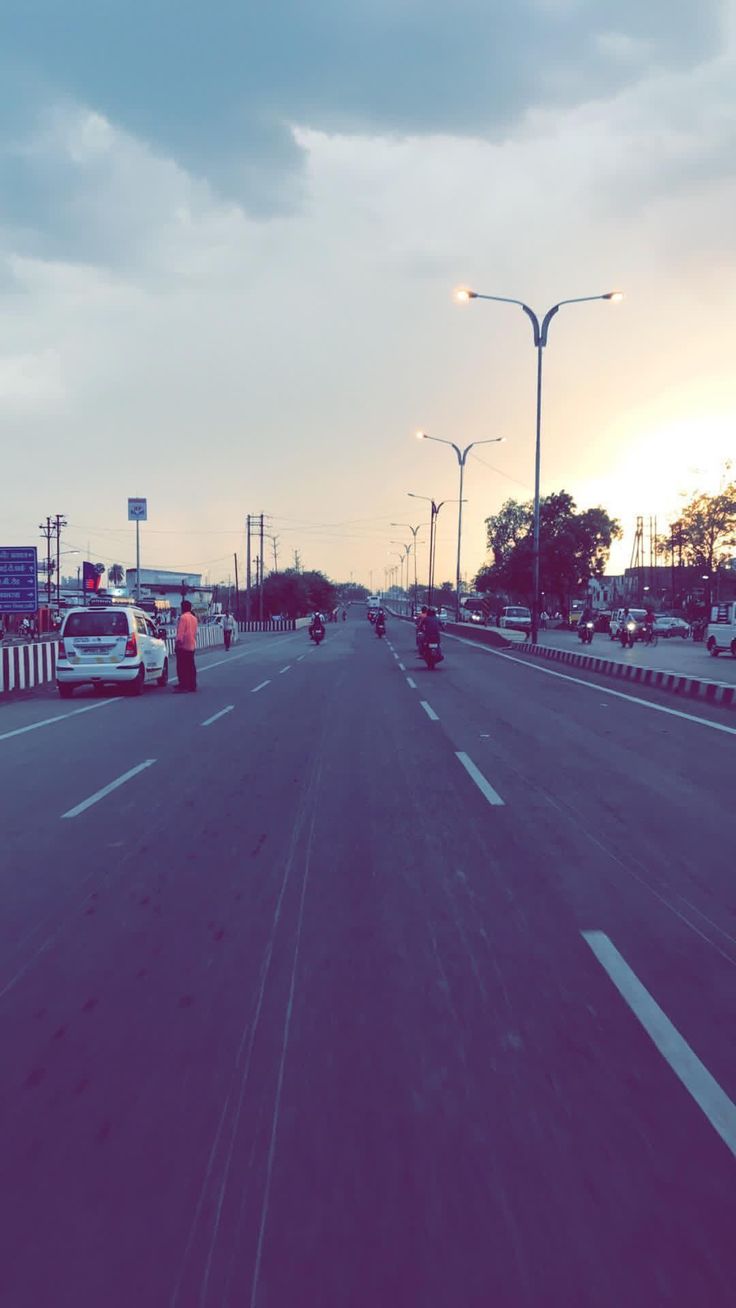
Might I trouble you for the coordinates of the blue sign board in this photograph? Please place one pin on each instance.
(18, 579)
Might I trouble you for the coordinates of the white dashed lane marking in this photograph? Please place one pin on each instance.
(483, 785)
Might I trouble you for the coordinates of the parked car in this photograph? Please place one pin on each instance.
(114, 646)
(617, 618)
(665, 624)
(515, 617)
(720, 636)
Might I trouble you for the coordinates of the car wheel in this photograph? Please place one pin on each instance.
(65, 691)
(712, 647)
(136, 687)
(163, 680)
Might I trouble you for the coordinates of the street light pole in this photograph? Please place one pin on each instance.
(461, 458)
(414, 531)
(541, 332)
(432, 535)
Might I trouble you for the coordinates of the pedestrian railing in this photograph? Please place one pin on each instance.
(25, 666)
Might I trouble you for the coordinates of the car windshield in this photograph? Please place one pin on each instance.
(96, 624)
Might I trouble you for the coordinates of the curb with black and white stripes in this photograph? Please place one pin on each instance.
(713, 692)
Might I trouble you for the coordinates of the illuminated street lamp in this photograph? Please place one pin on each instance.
(461, 457)
(541, 330)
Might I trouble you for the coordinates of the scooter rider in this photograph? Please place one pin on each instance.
(380, 623)
(316, 624)
(429, 628)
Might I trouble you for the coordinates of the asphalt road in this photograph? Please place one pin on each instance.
(367, 986)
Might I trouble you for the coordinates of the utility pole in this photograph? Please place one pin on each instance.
(260, 588)
(237, 600)
(59, 522)
(247, 568)
(297, 561)
(275, 543)
(47, 532)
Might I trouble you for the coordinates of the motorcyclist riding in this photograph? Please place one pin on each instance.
(380, 623)
(421, 619)
(429, 628)
(316, 624)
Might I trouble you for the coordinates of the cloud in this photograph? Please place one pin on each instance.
(219, 94)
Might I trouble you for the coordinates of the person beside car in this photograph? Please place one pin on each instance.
(186, 643)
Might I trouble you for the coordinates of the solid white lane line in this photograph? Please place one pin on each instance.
(403, 667)
(618, 694)
(411, 683)
(60, 717)
(208, 721)
(694, 1075)
(429, 711)
(107, 790)
(283, 670)
(484, 786)
(260, 687)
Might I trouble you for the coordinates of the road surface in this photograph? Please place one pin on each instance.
(344, 983)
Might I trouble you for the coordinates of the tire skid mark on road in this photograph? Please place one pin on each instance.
(305, 819)
(573, 815)
(694, 1075)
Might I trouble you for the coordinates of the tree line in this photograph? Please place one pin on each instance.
(574, 544)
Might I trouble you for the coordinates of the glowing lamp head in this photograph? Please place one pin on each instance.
(421, 435)
(614, 295)
(463, 294)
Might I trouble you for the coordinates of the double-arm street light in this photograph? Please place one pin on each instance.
(461, 457)
(414, 531)
(541, 331)
(432, 536)
(404, 559)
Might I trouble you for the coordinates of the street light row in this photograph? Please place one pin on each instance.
(541, 331)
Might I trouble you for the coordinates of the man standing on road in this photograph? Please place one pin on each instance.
(186, 643)
(228, 627)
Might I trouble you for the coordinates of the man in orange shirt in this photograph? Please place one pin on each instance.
(186, 643)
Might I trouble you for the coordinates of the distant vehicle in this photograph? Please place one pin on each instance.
(603, 620)
(617, 618)
(666, 625)
(720, 636)
(109, 647)
(515, 618)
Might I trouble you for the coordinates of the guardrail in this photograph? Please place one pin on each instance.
(22, 667)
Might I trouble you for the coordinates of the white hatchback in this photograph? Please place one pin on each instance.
(110, 647)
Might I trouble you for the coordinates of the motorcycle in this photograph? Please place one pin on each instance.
(380, 629)
(628, 635)
(317, 635)
(431, 653)
(585, 632)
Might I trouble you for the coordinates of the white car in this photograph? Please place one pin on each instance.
(516, 618)
(110, 647)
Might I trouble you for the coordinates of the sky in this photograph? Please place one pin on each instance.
(229, 240)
